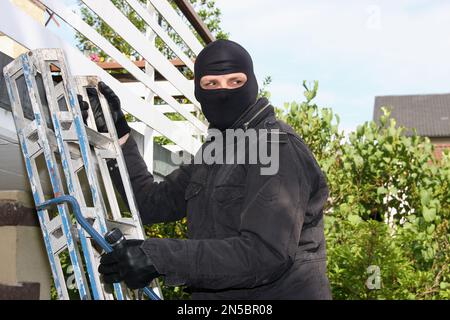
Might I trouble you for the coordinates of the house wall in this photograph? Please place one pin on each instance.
(440, 144)
(441, 141)
(24, 268)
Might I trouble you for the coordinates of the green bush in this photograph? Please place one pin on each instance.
(388, 206)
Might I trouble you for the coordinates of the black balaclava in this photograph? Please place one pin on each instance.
(222, 107)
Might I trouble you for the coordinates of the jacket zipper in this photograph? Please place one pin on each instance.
(254, 117)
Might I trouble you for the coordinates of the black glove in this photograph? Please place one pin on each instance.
(129, 264)
(120, 122)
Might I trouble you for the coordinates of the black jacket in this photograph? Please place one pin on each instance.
(249, 236)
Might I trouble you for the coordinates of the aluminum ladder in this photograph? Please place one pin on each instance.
(73, 157)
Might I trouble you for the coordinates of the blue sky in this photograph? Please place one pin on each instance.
(357, 49)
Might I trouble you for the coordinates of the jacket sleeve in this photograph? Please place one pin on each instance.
(271, 223)
(157, 202)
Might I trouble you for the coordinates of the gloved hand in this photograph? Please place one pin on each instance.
(129, 264)
(120, 122)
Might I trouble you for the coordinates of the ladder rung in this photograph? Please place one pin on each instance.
(30, 131)
(34, 149)
(126, 222)
(68, 131)
(126, 225)
(77, 164)
(69, 135)
(58, 243)
(107, 154)
(54, 224)
(65, 116)
(89, 212)
(97, 139)
(57, 238)
(66, 120)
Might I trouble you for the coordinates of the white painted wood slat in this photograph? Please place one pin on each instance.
(77, 23)
(143, 13)
(175, 21)
(120, 24)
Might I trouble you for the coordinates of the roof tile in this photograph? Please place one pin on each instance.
(428, 114)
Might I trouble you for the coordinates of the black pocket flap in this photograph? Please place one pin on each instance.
(227, 193)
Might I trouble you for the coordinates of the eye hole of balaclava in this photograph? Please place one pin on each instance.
(222, 107)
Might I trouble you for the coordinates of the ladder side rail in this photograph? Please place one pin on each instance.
(55, 179)
(82, 84)
(37, 192)
(122, 168)
(91, 81)
(88, 166)
(44, 59)
(27, 69)
(107, 182)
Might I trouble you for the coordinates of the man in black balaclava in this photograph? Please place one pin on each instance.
(250, 236)
(222, 107)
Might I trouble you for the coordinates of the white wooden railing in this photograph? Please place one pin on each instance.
(185, 134)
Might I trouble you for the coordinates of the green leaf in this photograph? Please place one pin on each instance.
(347, 166)
(382, 190)
(354, 219)
(389, 148)
(429, 214)
(425, 197)
(359, 161)
(393, 191)
(360, 130)
(392, 131)
(435, 203)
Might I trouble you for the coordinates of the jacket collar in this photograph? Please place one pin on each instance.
(254, 115)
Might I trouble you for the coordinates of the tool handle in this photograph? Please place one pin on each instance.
(90, 230)
(115, 238)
